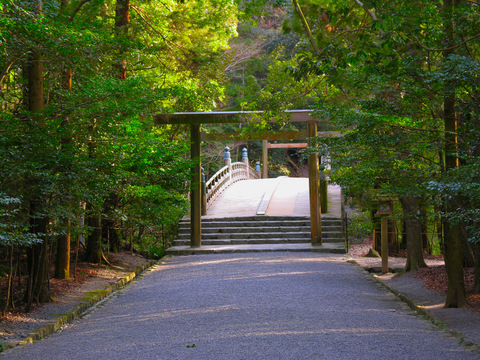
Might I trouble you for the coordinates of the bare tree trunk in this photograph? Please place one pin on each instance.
(94, 240)
(413, 230)
(10, 281)
(37, 259)
(110, 227)
(77, 245)
(456, 296)
(62, 263)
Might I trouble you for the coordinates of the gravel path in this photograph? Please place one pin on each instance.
(250, 306)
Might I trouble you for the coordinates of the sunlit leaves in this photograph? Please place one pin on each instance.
(97, 138)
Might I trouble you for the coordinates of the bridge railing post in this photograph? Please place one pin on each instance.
(323, 190)
(227, 161)
(245, 161)
(204, 193)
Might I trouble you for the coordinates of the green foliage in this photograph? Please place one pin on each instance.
(360, 226)
(391, 75)
(13, 229)
(155, 251)
(97, 137)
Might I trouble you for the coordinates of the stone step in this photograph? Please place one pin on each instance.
(248, 229)
(252, 218)
(245, 235)
(262, 235)
(225, 224)
(238, 224)
(186, 242)
(330, 237)
(256, 230)
(333, 248)
(267, 228)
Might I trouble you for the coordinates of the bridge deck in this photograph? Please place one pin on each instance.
(281, 196)
(277, 197)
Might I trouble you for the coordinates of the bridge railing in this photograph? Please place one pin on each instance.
(228, 175)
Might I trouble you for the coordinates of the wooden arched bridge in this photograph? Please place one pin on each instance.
(226, 176)
(236, 210)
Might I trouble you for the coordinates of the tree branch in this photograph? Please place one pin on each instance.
(7, 70)
(413, 129)
(445, 49)
(147, 21)
(415, 155)
(305, 23)
(239, 56)
(77, 9)
(369, 12)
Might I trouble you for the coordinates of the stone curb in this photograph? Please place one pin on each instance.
(420, 310)
(332, 248)
(79, 309)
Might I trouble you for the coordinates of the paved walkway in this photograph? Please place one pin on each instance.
(463, 323)
(283, 196)
(251, 306)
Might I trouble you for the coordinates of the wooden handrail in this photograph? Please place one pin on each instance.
(225, 177)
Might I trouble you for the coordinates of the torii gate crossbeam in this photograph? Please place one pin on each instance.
(196, 119)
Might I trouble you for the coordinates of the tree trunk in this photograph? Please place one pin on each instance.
(141, 230)
(122, 19)
(476, 251)
(476, 246)
(37, 255)
(38, 288)
(35, 83)
(452, 234)
(425, 243)
(110, 227)
(62, 263)
(10, 281)
(413, 230)
(94, 240)
(468, 255)
(456, 296)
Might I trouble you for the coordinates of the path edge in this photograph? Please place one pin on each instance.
(420, 310)
(81, 308)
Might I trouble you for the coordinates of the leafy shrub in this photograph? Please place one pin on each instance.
(360, 225)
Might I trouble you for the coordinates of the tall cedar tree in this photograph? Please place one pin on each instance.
(37, 285)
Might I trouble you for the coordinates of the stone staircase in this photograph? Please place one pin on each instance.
(260, 230)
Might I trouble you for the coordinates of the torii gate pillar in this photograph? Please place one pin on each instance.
(196, 190)
(264, 159)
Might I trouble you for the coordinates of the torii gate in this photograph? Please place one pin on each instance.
(196, 119)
